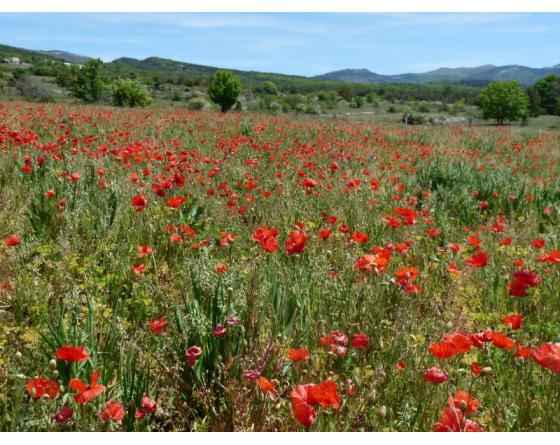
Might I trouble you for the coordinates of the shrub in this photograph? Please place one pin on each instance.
(224, 89)
(129, 93)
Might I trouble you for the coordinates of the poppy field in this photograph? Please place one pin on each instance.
(173, 270)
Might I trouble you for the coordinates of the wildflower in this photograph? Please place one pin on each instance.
(113, 410)
(477, 260)
(192, 354)
(295, 243)
(39, 387)
(12, 241)
(63, 415)
(547, 355)
(147, 409)
(298, 355)
(267, 238)
(360, 340)
(514, 321)
(435, 375)
(69, 353)
(220, 330)
(139, 202)
(86, 393)
(268, 386)
(157, 326)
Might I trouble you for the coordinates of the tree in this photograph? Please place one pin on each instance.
(504, 100)
(545, 96)
(270, 88)
(224, 89)
(129, 93)
(88, 81)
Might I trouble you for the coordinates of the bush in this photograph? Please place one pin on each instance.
(270, 88)
(198, 104)
(412, 119)
(224, 89)
(129, 93)
(32, 90)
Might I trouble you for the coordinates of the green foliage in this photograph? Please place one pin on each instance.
(269, 87)
(224, 89)
(545, 96)
(88, 81)
(504, 100)
(129, 93)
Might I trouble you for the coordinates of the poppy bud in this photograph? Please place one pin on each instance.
(486, 370)
(18, 355)
(464, 405)
(33, 392)
(55, 373)
(382, 411)
(230, 290)
(21, 376)
(52, 364)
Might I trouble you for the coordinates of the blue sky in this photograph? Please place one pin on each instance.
(298, 43)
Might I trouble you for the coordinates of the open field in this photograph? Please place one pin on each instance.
(164, 269)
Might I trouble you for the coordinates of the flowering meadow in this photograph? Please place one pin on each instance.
(171, 270)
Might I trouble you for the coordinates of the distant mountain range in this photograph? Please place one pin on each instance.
(478, 75)
(66, 56)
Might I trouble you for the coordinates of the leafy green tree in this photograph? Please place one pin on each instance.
(545, 96)
(269, 87)
(504, 100)
(129, 93)
(345, 92)
(88, 81)
(224, 89)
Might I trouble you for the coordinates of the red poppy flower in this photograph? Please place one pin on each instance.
(538, 243)
(192, 354)
(12, 241)
(157, 326)
(360, 340)
(435, 375)
(452, 344)
(464, 401)
(514, 321)
(324, 234)
(176, 201)
(143, 250)
(220, 330)
(267, 238)
(303, 410)
(139, 202)
(477, 260)
(39, 387)
(63, 415)
(268, 386)
(113, 410)
(87, 392)
(452, 419)
(147, 409)
(138, 269)
(360, 237)
(324, 394)
(298, 355)
(69, 353)
(475, 369)
(295, 243)
(548, 356)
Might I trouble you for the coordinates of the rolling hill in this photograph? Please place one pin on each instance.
(477, 75)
